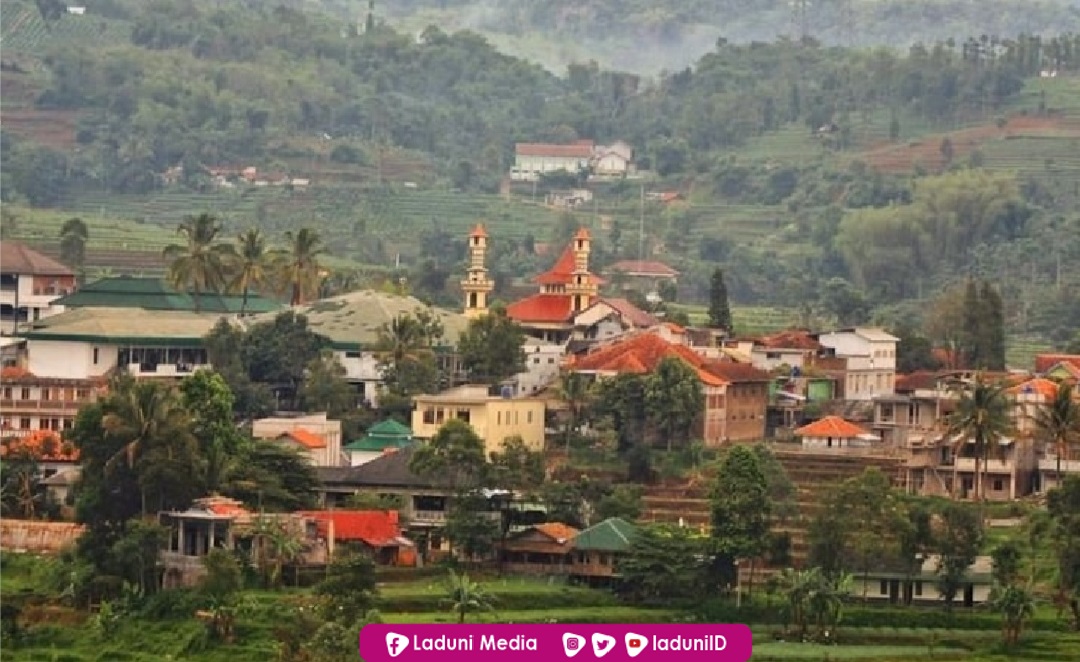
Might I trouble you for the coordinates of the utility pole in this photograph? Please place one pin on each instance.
(641, 225)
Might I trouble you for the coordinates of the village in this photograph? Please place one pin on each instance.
(827, 403)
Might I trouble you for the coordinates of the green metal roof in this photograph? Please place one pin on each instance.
(383, 435)
(125, 326)
(157, 294)
(612, 535)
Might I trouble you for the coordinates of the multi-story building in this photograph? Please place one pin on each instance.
(30, 283)
(870, 361)
(493, 417)
(29, 403)
(314, 435)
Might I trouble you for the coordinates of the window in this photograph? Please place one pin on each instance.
(498, 418)
(82, 394)
(24, 423)
(551, 360)
(68, 423)
(429, 416)
(7, 392)
(463, 414)
(46, 394)
(95, 356)
(918, 588)
(348, 355)
(440, 416)
(528, 417)
(24, 393)
(536, 360)
(884, 587)
(886, 413)
(999, 484)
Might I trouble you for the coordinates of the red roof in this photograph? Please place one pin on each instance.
(479, 231)
(790, 339)
(1044, 387)
(541, 308)
(557, 531)
(1044, 362)
(562, 272)
(583, 149)
(644, 267)
(641, 354)
(14, 372)
(921, 379)
(738, 372)
(830, 426)
(631, 313)
(42, 446)
(308, 440)
(18, 258)
(373, 527)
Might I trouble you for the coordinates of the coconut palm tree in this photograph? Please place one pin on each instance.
(252, 264)
(300, 269)
(466, 596)
(981, 420)
(1058, 422)
(201, 263)
(145, 415)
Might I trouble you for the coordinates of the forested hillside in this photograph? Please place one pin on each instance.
(832, 181)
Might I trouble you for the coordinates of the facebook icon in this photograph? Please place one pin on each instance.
(396, 643)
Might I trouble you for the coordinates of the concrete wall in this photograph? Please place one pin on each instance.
(41, 537)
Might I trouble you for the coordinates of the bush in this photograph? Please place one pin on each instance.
(172, 604)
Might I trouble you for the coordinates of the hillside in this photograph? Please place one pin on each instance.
(392, 146)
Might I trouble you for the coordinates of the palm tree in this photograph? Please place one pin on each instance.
(981, 420)
(467, 596)
(73, 236)
(276, 545)
(1058, 422)
(300, 271)
(199, 264)
(252, 264)
(575, 390)
(144, 415)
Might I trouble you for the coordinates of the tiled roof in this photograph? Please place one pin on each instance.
(612, 535)
(541, 308)
(631, 313)
(738, 372)
(582, 149)
(921, 379)
(18, 258)
(14, 372)
(557, 531)
(830, 426)
(790, 339)
(1044, 362)
(307, 439)
(374, 527)
(479, 231)
(1044, 387)
(644, 267)
(157, 294)
(41, 445)
(640, 354)
(561, 272)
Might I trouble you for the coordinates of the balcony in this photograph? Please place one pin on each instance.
(993, 466)
(1049, 464)
(44, 406)
(163, 369)
(428, 517)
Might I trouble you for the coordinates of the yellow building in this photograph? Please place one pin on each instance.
(493, 417)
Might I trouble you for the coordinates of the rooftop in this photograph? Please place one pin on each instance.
(872, 334)
(383, 435)
(831, 426)
(124, 325)
(308, 440)
(355, 318)
(797, 339)
(18, 258)
(640, 354)
(612, 535)
(644, 268)
(562, 272)
(582, 149)
(157, 294)
(1045, 362)
(389, 471)
(1041, 386)
(376, 528)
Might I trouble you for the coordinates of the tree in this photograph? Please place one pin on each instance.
(209, 401)
(406, 358)
(979, 423)
(517, 467)
(278, 352)
(719, 308)
(349, 588)
(273, 478)
(740, 510)
(674, 400)
(1017, 606)
(300, 270)
(991, 331)
(200, 264)
(1057, 423)
(252, 265)
(914, 352)
(466, 596)
(959, 541)
(575, 390)
(662, 563)
(1063, 506)
(325, 388)
(622, 501)
(1006, 559)
(73, 237)
(221, 583)
(491, 348)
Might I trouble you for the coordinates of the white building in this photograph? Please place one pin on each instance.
(29, 283)
(314, 435)
(614, 160)
(543, 359)
(870, 354)
(534, 159)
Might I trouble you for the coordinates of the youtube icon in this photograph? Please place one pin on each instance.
(635, 644)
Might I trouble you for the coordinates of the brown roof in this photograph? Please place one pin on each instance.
(738, 372)
(921, 379)
(582, 149)
(830, 426)
(1044, 362)
(631, 313)
(644, 267)
(641, 354)
(17, 258)
(790, 339)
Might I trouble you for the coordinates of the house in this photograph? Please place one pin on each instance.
(921, 586)
(426, 499)
(493, 417)
(560, 311)
(375, 532)
(543, 361)
(353, 322)
(1058, 366)
(833, 432)
(158, 294)
(614, 160)
(1028, 398)
(531, 160)
(87, 343)
(912, 421)
(647, 273)
(597, 549)
(30, 284)
(870, 360)
(736, 395)
(791, 349)
(56, 462)
(569, 199)
(314, 435)
(12, 352)
(383, 436)
(539, 549)
(29, 403)
(221, 523)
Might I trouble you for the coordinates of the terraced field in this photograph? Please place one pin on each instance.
(24, 31)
